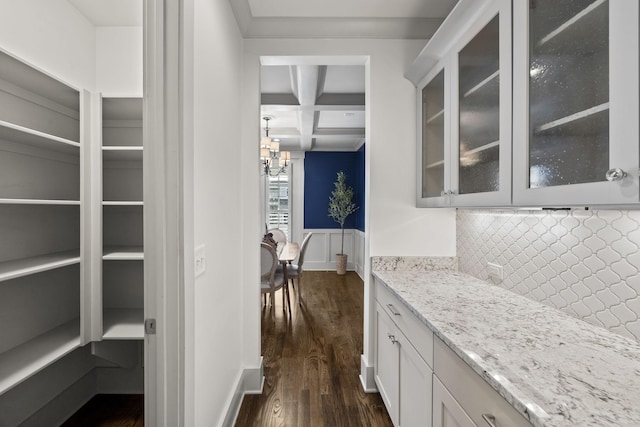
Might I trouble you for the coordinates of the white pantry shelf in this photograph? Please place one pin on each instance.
(123, 324)
(39, 202)
(123, 253)
(122, 203)
(25, 360)
(22, 135)
(37, 264)
(484, 147)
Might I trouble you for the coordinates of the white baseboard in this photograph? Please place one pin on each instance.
(250, 381)
(367, 376)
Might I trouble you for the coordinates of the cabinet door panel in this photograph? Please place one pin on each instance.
(481, 102)
(415, 387)
(434, 135)
(387, 360)
(446, 411)
(573, 115)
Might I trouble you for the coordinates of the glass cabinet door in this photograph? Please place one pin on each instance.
(433, 137)
(479, 112)
(576, 102)
(568, 92)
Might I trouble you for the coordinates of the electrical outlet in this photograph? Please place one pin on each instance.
(200, 260)
(495, 271)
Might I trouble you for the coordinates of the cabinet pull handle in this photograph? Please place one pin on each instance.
(392, 338)
(490, 419)
(393, 310)
(615, 174)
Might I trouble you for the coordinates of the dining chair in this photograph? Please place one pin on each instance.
(270, 279)
(278, 235)
(294, 271)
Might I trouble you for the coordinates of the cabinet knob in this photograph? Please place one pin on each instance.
(490, 419)
(392, 338)
(615, 174)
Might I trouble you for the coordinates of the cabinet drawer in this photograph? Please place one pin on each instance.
(472, 392)
(420, 336)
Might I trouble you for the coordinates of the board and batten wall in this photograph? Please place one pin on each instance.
(585, 263)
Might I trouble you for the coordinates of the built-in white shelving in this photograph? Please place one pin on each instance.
(482, 148)
(123, 324)
(123, 253)
(40, 199)
(122, 192)
(122, 203)
(37, 264)
(25, 360)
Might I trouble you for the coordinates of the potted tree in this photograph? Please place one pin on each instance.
(340, 207)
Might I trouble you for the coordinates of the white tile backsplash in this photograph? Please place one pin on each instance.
(586, 263)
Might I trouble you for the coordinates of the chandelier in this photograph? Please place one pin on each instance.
(270, 153)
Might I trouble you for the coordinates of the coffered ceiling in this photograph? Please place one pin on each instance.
(315, 107)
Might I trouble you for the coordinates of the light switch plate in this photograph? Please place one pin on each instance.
(200, 260)
(495, 271)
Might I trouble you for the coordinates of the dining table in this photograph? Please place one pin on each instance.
(286, 254)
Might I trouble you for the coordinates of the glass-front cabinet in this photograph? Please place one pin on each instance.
(465, 117)
(576, 112)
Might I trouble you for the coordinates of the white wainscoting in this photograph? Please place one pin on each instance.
(325, 244)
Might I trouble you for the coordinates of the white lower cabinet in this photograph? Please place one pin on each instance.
(423, 382)
(403, 372)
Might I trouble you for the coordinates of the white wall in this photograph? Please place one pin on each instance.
(119, 61)
(212, 66)
(51, 35)
(394, 226)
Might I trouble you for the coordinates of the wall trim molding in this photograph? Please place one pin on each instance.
(367, 376)
(250, 381)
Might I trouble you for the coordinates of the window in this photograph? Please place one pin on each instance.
(278, 202)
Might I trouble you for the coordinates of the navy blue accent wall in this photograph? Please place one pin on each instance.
(320, 170)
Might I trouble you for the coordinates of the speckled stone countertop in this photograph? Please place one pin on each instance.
(554, 369)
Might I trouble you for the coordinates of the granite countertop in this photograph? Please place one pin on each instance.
(554, 369)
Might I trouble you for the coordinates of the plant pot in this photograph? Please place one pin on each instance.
(341, 264)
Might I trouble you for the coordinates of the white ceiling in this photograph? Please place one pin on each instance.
(315, 107)
(111, 13)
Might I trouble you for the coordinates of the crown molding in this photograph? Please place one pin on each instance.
(383, 28)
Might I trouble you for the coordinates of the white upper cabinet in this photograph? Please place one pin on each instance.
(464, 111)
(576, 103)
(555, 124)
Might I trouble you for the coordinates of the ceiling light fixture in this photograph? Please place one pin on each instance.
(270, 153)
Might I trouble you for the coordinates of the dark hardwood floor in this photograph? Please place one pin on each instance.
(110, 410)
(312, 364)
(312, 360)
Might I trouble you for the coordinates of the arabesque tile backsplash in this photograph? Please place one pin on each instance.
(586, 263)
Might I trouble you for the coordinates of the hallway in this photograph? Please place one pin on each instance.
(312, 360)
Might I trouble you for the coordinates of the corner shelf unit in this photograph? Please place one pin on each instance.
(122, 213)
(40, 281)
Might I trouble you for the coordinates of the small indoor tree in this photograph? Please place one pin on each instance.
(341, 205)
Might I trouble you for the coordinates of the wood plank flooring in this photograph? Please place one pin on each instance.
(312, 360)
